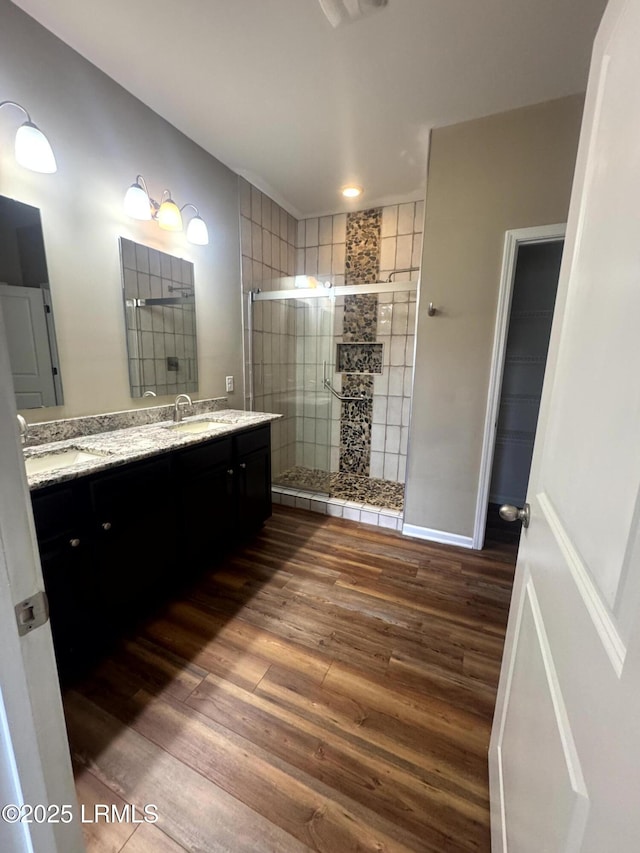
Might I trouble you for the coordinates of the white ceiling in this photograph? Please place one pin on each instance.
(300, 108)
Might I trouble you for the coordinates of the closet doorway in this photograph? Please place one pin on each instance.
(531, 269)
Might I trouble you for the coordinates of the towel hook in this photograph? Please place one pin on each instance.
(431, 311)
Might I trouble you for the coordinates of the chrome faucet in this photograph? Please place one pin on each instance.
(24, 428)
(177, 411)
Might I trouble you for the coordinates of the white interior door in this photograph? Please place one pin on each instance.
(28, 342)
(565, 749)
(35, 767)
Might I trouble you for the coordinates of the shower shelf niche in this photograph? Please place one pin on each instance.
(359, 357)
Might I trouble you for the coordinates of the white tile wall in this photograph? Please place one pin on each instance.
(320, 250)
(268, 243)
(401, 238)
(392, 389)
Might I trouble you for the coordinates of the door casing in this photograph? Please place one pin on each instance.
(512, 241)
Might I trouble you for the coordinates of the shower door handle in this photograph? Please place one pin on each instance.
(329, 387)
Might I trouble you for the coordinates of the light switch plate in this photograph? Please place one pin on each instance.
(229, 383)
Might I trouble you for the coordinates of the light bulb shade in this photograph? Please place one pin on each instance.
(169, 216)
(342, 11)
(33, 150)
(197, 231)
(136, 203)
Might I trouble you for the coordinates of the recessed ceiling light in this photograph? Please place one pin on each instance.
(351, 191)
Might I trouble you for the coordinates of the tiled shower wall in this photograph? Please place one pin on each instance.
(368, 437)
(291, 339)
(268, 240)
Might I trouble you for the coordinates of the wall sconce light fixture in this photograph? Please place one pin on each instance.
(139, 205)
(32, 148)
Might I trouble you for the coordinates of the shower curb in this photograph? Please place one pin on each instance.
(391, 519)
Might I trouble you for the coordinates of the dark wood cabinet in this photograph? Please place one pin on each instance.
(113, 544)
(73, 587)
(204, 482)
(253, 477)
(225, 493)
(134, 531)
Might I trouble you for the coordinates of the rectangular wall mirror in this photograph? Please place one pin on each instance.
(25, 297)
(160, 313)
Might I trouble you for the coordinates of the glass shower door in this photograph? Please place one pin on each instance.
(293, 349)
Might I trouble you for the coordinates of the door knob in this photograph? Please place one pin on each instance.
(508, 512)
(106, 525)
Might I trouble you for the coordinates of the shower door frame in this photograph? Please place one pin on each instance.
(258, 295)
(322, 292)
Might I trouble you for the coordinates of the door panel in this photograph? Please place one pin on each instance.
(564, 753)
(28, 341)
(540, 756)
(34, 753)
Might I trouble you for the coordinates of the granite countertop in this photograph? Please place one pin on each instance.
(120, 446)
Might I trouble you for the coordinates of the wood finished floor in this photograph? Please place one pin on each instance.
(329, 687)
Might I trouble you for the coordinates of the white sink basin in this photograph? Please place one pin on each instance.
(197, 426)
(56, 461)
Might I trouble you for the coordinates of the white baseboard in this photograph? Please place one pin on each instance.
(440, 536)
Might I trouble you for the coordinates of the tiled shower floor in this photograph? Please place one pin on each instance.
(351, 496)
(349, 487)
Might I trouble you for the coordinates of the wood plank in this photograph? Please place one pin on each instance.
(329, 686)
(162, 669)
(427, 747)
(412, 675)
(485, 669)
(426, 712)
(198, 614)
(207, 652)
(99, 835)
(192, 811)
(418, 801)
(149, 839)
(259, 780)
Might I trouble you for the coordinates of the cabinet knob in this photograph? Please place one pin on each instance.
(74, 543)
(243, 465)
(230, 471)
(106, 525)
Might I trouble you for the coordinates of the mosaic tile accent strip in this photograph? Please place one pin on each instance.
(359, 358)
(362, 265)
(362, 260)
(360, 317)
(356, 418)
(347, 487)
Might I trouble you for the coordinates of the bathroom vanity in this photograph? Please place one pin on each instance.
(122, 529)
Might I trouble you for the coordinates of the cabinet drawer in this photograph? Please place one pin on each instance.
(130, 492)
(255, 439)
(210, 455)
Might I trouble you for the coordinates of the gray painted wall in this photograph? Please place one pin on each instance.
(103, 137)
(512, 170)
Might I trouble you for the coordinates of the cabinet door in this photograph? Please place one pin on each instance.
(134, 529)
(253, 461)
(204, 478)
(75, 603)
